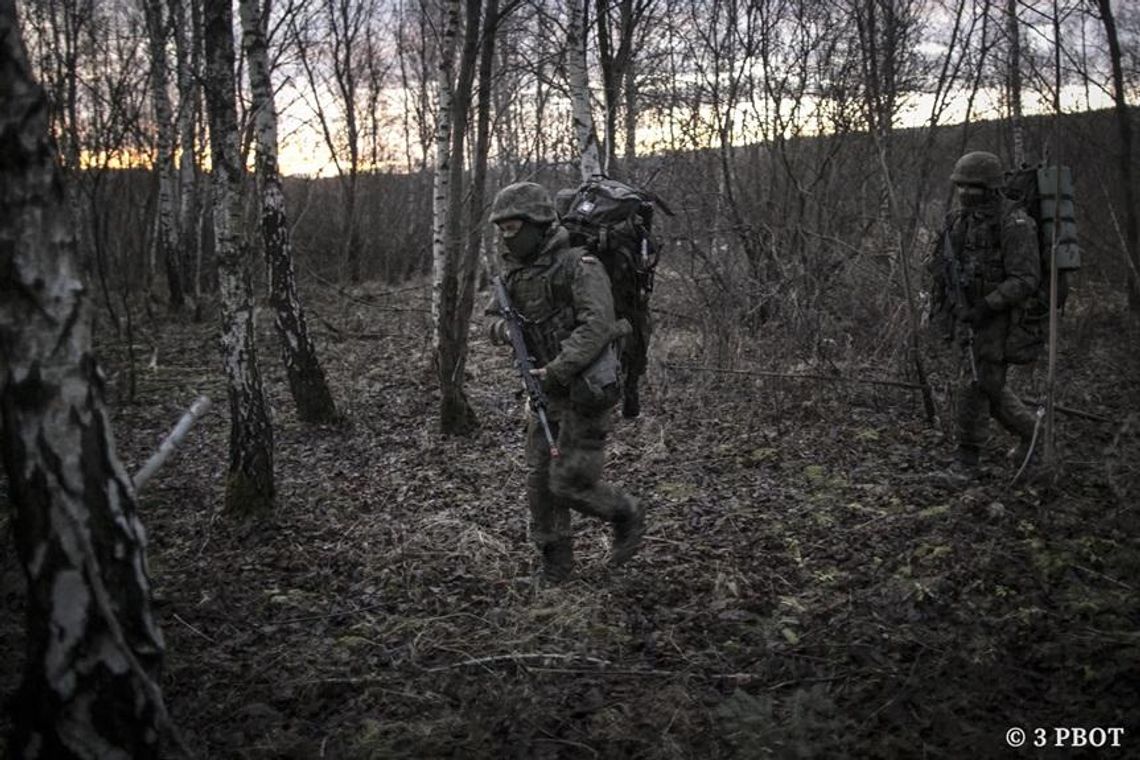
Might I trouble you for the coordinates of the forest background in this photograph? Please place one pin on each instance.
(805, 149)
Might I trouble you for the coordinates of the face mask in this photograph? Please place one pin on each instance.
(526, 242)
(971, 197)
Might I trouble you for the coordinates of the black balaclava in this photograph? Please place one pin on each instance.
(975, 201)
(527, 242)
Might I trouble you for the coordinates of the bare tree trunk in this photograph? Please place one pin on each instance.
(249, 484)
(441, 197)
(187, 57)
(91, 683)
(167, 237)
(1124, 127)
(617, 55)
(306, 377)
(1014, 31)
(347, 32)
(456, 415)
(630, 118)
(590, 161)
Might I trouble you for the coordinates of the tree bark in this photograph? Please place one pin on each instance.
(1014, 32)
(456, 415)
(630, 118)
(441, 195)
(189, 106)
(302, 367)
(590, 161)
(90, 687)
(1124, 127)
(346, 26)
(249, 483)
(167, 238)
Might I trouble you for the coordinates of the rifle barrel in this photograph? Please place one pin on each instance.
(954, 273)
(523, 362)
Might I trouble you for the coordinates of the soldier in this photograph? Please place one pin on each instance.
(564, 296)
(993, 244)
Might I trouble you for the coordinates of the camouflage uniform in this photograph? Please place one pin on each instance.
(564, 295)
(995, 244)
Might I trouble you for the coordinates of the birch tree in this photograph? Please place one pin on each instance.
(157, 33)
(187, 51)
(91, 683)
(441, 192)
(1013, 28)
(302, 367)
(459, 257)
(249, 483)
(576, 74)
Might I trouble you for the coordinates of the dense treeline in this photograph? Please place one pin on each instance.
(710, 103)
(829, 264)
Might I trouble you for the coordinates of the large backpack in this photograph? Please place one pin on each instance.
(1037, 190)
(614, 221)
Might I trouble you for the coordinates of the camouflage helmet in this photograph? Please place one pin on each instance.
(523, 200)
(978, 168)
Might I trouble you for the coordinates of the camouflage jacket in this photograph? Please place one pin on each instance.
(564, 295)
(996, 248)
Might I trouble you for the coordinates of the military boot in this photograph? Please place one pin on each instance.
(557, 561)
(966, 457)
(631, 402)
(964, 468)
(629, 530)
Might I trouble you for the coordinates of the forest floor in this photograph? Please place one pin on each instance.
(810, 585)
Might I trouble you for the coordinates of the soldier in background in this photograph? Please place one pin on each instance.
(564, 296)
(992, 243)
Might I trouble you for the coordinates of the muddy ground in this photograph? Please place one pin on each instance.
(810, 587)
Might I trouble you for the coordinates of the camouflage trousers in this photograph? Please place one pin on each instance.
(574, 480)
(990, 397)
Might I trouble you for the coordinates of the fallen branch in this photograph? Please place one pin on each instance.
(197, 409)
(517, 657)
(793, 376)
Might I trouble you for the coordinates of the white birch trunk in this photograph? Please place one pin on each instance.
(1015, 84)
(306, 377)
(188, 98)
(249, 484)
(591, 162)
(167, 237)
(441, 195)
(91, 686)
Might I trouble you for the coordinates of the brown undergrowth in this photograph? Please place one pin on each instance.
(809, 587)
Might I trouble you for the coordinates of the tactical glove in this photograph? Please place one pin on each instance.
(978, 314)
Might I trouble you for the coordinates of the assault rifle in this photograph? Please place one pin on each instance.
(954, 277)
(523, 362)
